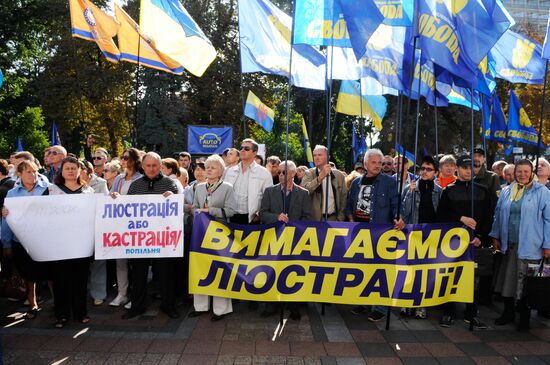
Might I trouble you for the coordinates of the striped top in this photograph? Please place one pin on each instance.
(158, 185)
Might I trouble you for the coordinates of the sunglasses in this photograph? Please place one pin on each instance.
(246, 148)
(281, 173)
(98, 158)
(52, 153)
(429, 169)
(125, 158)
(387, 163)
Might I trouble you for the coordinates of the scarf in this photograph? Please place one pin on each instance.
(518, 190)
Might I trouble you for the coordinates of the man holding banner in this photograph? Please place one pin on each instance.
(373, 198)
(153, 182)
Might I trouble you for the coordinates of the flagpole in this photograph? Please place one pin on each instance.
(472, 168)
(436, 132)
(136, 118)
(243, 102)
(539, 139)
(417, 122)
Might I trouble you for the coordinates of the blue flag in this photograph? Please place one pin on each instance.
(519, 126)
(517, 59)
(458, 34)
(265, 33)
(409, 155)
(463, 96)
(362, 19)
(385, 59)
(494, 123)
(55, 136)
(19, 145)
(546, 45)
(1, 78)
(358, 143)
(371, 86)
(424, 72)
(396, 12)
(206, 140)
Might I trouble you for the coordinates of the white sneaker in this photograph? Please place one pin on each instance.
(420, 313)
(119, 300)
(128, 305)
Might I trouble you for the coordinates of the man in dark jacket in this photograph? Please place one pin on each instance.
(455, 205)
(373, 198)
(284, 203)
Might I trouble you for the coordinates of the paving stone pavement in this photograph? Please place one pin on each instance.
(336, 337)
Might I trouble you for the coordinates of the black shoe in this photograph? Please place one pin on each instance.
(171, 312)
(295, 316)
(132, 313)
(216, 317)
(375, 316)
(504, 320)
(196, 313)
(267, 313)
(359, 309)
(446, 321)
(476, 323)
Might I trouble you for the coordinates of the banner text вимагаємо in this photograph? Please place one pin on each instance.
(334, 262)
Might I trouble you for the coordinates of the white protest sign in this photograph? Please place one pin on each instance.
(139, 226)
(56, 227)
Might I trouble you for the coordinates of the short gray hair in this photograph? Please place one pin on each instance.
(215, 159)
(152, 155)
(289, 165)
(372, 152)
(447, 159)
(321, 147)
(508, 167)
(543, 161)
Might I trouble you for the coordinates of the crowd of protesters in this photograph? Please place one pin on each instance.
(511, 216)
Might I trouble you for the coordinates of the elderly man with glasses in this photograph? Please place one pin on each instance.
(54, 157)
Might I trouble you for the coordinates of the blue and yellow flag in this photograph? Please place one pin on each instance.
(351, 102)
(517, 59)
(91, 23)
(362, 19)
(424, 72)
(255, 109)
(546, 45)
(396, 12)
(307, 145)
(384, 60)
(408, 155)
(134, 46)
(176, 34)
(519, 126)
(371, 86)
(458, 34)
(494, 123)
(265, 33)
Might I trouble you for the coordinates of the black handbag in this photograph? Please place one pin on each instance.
(484, 259)
(537, 290)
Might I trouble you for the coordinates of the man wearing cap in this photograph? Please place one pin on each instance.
(249, 181)
(359, 168)
(455, 206)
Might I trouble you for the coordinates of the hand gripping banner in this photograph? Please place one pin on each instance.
(332, 262)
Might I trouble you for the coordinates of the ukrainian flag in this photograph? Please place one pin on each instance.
(351, 102)
(255, 109)
(307, 145)
(91, 23)
(176, 34)
(135, 47)
(520, 128)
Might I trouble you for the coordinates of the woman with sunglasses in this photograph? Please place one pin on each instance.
(30, 270)
(131, 163)
(70, 277)
(420, 205)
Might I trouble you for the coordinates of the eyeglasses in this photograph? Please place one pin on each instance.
(52, 153)
(246, 148)
(429, 169)
(281, 173)
(98, 158)
(387, 163)
(125, 158)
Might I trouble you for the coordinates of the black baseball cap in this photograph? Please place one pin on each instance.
(479, 150)
(464, 161)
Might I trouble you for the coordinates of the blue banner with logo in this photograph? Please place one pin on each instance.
(333, 262)
(207, 140)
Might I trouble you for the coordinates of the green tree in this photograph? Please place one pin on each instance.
(29, 126)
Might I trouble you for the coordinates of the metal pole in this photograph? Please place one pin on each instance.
(541, 117)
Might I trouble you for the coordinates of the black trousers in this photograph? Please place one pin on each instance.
(166, 268)
(70, 287)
